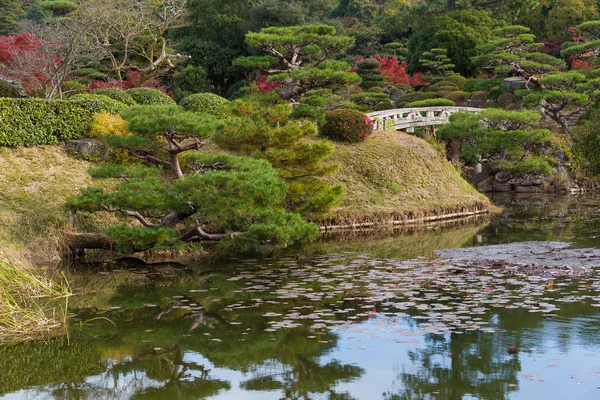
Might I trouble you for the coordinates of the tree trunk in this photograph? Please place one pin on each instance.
(77, 244)
(454, 152)
(289, 91)
(451, 5)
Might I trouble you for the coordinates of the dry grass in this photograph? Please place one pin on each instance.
(34, 183)
(398, 176)
(31, 307)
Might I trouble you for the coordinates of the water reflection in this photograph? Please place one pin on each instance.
(356, 322)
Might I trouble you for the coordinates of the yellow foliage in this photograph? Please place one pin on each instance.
(108, 124)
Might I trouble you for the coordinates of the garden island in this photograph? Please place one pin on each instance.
(342, 199)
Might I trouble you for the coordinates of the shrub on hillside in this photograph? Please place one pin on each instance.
(459, 98)
(97, 103)
(479, 98)
(149, 96)
(410, 97)
(32, 122)
(456, 79)
(347, 126)
(208, 103)
(431, 103)
(384, 105)
(104, 123)
(116, 94)
(506, 100)
(443, 85)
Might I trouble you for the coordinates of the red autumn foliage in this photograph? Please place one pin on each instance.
(27, 60)
(132, 79)
(395, 72)
(580, 64)
(264, 86)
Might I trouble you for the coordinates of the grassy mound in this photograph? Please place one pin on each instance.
(34, 184)
(392, 178)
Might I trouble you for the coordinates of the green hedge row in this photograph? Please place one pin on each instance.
(31, 122)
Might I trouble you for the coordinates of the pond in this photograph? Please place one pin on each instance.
(354, 317)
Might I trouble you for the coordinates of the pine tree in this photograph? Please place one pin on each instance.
(179, 195)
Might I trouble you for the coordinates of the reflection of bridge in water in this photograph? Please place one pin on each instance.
(410, 118)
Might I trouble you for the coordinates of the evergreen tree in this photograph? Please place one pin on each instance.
(508, 141)
(369, 73)
(268, 133)
(436, 61)
(10, 12)
(513, 51)
(236, 200)
(301, 57)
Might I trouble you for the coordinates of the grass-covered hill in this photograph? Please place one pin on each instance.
(394, 178)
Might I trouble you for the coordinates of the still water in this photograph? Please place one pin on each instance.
(354, 317)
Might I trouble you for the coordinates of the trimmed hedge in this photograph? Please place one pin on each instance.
(411, 97)
(347, 126)
(116, 94)
(149, 96)
(32, 122)
(208, 103)
(431, 103)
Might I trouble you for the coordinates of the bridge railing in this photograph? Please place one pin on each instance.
(408, 118)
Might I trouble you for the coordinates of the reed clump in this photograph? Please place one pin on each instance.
(31, 306)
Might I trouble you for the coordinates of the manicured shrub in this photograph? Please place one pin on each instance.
(456, 79)
(116, 94)
(149, 96)
(384, 105)
(443, 85)
(459, 98)
(505, 100)
(410, 97)
(430, 103)
(97, 103)
(105, 123)
(479, 98)
(477, 85)
(31, 122)
(208, 103)
(347, 126)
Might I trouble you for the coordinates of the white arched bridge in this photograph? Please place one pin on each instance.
(410, 118)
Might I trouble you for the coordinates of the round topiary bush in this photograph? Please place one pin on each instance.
(149, 96)
(97, 103)
(208, 103)
(459, 98)
(116, 94)
(347, 126)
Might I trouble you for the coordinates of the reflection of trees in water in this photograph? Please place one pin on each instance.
(452, 366)
(299, 372)
(557, 218)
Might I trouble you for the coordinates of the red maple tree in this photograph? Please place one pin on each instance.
(27, 60)
(395, 72)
